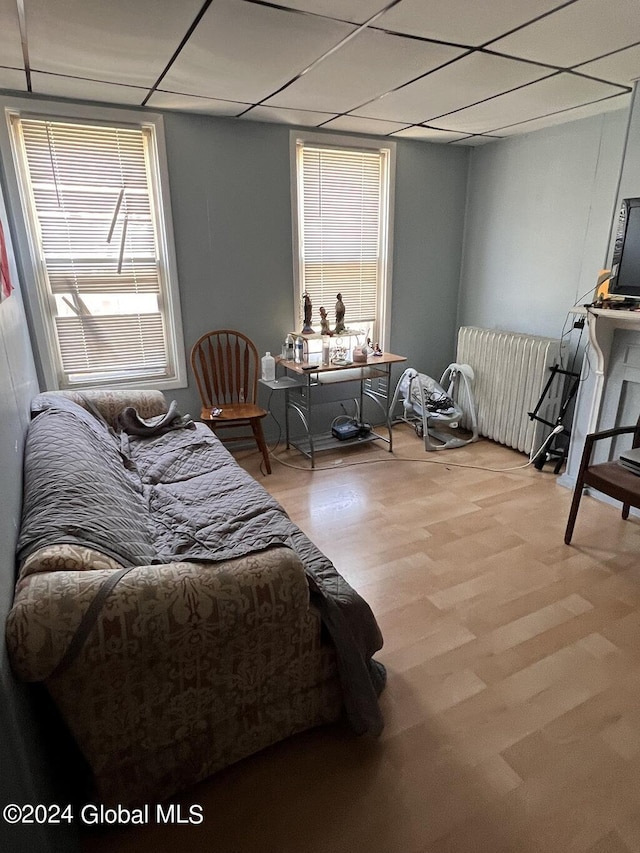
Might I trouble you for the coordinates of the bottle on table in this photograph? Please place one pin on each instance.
(268, 367)
(325, 350)
(289, 352)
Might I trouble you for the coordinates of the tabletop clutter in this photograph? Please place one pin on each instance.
(335, 348)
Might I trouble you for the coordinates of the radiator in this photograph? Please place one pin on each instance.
(511, 371)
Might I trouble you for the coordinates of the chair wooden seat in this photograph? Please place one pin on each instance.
(225, 364)
(238, 412)
(610, 478)
(614, 479)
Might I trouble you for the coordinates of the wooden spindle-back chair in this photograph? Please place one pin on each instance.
(225, 364)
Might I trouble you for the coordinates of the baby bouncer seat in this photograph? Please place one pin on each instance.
(434, 413)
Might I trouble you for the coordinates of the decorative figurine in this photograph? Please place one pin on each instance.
(376, 349)
(339, 315)
(324, 323)
(308, 308)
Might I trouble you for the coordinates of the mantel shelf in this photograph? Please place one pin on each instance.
(602, 324)
(619, 316)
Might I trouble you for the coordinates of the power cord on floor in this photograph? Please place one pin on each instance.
(446, 462)
(555, 431)
(393, 458)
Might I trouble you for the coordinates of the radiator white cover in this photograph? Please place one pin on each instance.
(511, 370)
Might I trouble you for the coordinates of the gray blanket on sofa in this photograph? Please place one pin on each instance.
(181, 496)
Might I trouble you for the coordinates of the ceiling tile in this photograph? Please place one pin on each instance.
(367, 66)
(244, 52)
(192, 104)
(475, 141)
(357, 11)
(618, 103)
(117, 41)
(355, 124)
(303, 118)
(88, 90)
(460, 21)
(576, 33)
(11, 78)
(429, 133)
(471, 78)
(621, 67)
(10, 41)
(560, 92)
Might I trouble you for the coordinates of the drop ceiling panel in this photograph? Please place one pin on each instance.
(304, 118)
(118, 41)
(244, 52)
(561, 92)
(192, 104)
(474, 141)
(621, 67)
(461, 21)
(621, 102)
(357, 11)
(470, 79)
(576, 33)
(10, 43)
(429, 134)
(367, 66)
(11, 78)
(89, 90)
(355, 124)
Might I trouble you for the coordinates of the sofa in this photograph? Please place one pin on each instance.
(176, 616)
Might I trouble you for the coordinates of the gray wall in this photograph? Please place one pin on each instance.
(24, 777)
(539, 209)
(430, 194)
(231, 202)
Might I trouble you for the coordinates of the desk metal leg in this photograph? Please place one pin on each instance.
(387, 405)
(303, 410)
(286, 417)
(381, 397)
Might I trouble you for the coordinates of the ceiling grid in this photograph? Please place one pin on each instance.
(450, 71)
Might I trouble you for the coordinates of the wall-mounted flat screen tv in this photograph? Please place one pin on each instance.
(625, 265)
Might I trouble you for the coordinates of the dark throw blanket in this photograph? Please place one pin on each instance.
(129, 421)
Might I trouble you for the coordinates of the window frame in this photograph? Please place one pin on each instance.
(45, 341)
(354, 143)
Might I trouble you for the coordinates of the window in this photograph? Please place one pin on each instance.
(342, 208)
(98, 239)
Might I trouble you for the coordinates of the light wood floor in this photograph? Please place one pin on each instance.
(513, 700)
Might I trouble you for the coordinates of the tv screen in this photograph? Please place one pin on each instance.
(625, 267)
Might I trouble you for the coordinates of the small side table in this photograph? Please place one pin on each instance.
(373, 378)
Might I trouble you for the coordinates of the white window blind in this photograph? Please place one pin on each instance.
(94, 225)
(342, 197)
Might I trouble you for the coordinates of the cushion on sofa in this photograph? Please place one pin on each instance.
(64, 557)
(109, 403)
